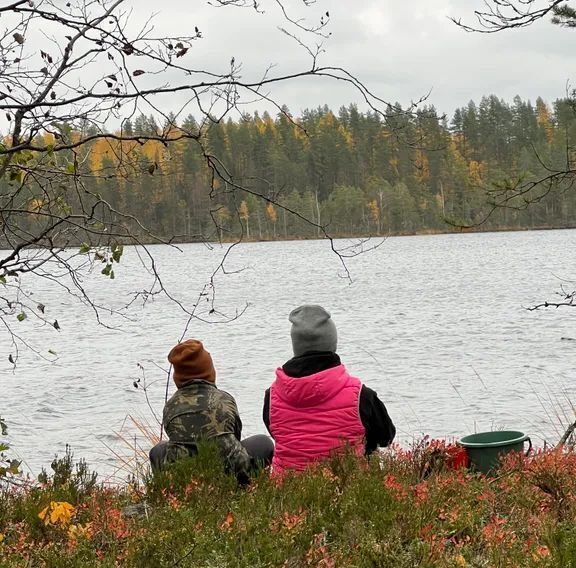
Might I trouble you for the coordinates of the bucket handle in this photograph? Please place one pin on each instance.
(529, 446)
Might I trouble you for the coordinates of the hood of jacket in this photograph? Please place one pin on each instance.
(310, 390)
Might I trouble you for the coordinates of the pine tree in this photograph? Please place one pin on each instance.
(564, 15)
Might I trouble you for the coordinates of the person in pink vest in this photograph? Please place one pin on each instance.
(315, 406)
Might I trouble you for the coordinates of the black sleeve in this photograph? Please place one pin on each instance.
(266, 411)
(380, 430)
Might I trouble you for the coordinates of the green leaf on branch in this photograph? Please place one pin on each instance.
(14, 467)
(17, 175)
(117, 252)
(71, 168)
(107, 269)
(84, 248)
(21, 316)
(2, 280)
(23, 157)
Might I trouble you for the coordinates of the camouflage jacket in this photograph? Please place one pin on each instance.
(201, 411)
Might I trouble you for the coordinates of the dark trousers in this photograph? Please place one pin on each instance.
(260, 448)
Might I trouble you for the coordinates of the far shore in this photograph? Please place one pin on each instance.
(362, 236)
(226, 239)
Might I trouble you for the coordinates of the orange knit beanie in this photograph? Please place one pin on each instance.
(191, 362)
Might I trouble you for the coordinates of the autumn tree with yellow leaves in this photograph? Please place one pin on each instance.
(244, 214)
(271, 213)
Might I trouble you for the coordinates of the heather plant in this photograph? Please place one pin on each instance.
(9, 468)
(403, 508)
(73, 479)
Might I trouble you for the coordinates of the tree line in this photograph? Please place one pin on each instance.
(353, 173)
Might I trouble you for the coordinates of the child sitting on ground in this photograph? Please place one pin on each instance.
(199, 410)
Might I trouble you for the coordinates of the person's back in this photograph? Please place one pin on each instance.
(314, 415)
(200, 412)
(315, 407)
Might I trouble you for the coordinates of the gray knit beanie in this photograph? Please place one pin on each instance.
(312, 330)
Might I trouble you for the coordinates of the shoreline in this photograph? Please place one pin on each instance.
(180, 240)
(360, 236)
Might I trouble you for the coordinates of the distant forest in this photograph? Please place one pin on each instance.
(350, 171)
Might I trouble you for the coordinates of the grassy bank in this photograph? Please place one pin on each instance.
(407, 509)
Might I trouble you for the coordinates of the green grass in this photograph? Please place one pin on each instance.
(404, 510)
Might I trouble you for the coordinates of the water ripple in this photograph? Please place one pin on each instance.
(436, 324)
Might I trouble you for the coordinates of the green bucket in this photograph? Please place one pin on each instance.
(486, 448)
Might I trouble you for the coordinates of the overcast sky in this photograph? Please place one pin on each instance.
(401, 50)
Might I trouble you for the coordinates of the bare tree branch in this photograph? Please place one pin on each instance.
(499, 15)
(70, 72)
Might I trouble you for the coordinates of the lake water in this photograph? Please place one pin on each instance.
(437, 325)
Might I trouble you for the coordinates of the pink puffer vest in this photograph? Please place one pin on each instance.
(312, 416)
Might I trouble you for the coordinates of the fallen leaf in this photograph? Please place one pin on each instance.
(227, 522)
